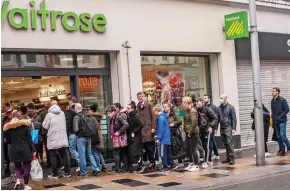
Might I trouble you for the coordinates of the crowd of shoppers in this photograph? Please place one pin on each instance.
(141, 134)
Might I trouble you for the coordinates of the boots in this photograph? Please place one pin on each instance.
(232, 161)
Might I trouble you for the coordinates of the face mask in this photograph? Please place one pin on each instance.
(222, 102)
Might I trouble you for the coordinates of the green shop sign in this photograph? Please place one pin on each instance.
(84, 22)
(236, 25)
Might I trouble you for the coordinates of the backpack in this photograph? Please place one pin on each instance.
(88, 126)
(95, 138)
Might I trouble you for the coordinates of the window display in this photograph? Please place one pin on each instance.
(169, 78)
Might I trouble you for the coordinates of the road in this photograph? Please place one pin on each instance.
(279, 181)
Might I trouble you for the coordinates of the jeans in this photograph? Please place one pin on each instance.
(282, 136)
(96, 154)
(63, 152)
(166, 156)
(84, 146)
(72, 140)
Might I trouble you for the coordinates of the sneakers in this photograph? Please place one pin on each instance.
(52, 176)
(189, 166)
(193, 169)
(96, 172)
(173, 167)
(210, 163)
(165, 170)
(217, 157)
(180, 165)
(17, 184)
(66, 175)
(62, 168)
(204, 165)
(78, 170)
(26, 187)
(142, 169)
(267, 154)
(104, 169)
(232, 161)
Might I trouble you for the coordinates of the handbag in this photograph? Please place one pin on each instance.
(120, 141)
(34, 134)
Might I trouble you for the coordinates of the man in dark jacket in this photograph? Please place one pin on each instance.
(208, 103)
(207, 123)
(280, 109)
(145, 111)
(228, 123)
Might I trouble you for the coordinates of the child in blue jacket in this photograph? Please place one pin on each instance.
(164, 138)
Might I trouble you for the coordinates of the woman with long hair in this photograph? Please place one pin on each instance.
(22, 148)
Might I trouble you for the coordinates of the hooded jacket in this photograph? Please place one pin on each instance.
(18, 136)
(163, 131)
(55, 123)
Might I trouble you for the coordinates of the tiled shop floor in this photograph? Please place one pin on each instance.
(180, 177)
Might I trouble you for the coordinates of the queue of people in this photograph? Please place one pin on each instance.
(141, 135)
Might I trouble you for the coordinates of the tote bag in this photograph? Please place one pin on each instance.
(34, 134)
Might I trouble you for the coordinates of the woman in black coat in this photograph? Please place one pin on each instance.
(266, 120)
(134, 132)
(22, 148)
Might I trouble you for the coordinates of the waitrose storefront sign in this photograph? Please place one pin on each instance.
(70, 21)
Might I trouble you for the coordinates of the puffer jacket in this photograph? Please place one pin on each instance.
(163, 131)
(191, 121)
(55, 123)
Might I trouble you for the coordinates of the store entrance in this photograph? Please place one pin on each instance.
(38, 90)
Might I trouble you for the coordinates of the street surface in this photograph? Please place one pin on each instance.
(243, 175)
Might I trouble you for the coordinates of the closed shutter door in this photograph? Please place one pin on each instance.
(273, 74)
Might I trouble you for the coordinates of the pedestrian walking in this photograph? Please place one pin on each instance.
(97, 140)
(266, 122)
(280, 109)
(228, 123)
(57, 141)
(85, 127)
(176, 137)
(145, 111)
(22, 148)
(207, 122)
(118, 127)
(208, 103)
(191, 130)
(134, 133)
(164, 138)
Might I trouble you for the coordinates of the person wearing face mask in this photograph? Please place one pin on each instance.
(228, 123)
(208, 103)
(207, 122)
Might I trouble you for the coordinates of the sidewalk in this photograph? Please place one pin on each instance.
(216, 176)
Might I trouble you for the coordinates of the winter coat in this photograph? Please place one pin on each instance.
(55, 123)
(173, 118)
(228, 118)
(18, 136)
(98, 117)
(135, 126)
(163, 131)
(69, 118)
(119, 124)
(207, 119)
(191, 121)
(280, 109)
(148, 118)
(266, 122)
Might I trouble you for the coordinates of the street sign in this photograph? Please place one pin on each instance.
(236, 25)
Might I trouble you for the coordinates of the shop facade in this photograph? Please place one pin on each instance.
(275, 72)
(176, 44)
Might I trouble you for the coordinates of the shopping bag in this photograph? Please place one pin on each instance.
(34, 136)
(36, 172)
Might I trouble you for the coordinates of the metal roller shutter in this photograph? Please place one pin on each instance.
(273, 74)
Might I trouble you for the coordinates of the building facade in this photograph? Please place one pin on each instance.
(110, 50)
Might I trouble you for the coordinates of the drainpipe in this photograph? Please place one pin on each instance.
(127, 46)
